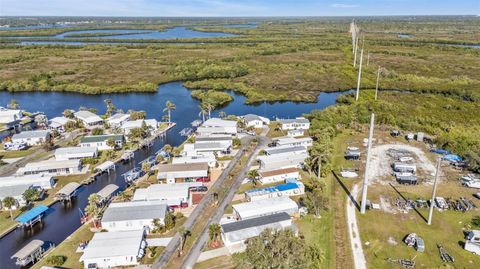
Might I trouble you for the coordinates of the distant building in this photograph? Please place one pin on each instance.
(114, 249)
(9, 116)
(235, 233)
(265, 207)
(175, 195)
(31, 138)
(290, 188)
(218, 126)
(100, 141)
(255, 121)
(152, 124)
(278, 175)
(136, 215)
(117, 120)
(286, 149)
(297, 123)
(58, 123)
(88, 118)
(74, 153)
(52, 167)
(173, 173)
(207, 158)
(282, 160)
(294, 142)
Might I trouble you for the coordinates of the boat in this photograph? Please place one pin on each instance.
(186, 132)
(133, 174)
(348, 174)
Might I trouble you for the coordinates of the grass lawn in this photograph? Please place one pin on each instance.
(16, 153)
(68, 247)
(6, 222)
(223, 262)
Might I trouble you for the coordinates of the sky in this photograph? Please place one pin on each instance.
(229, 8)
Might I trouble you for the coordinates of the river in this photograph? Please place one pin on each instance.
(61, 221)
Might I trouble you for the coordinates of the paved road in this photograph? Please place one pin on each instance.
(353, 232)
(172, 247)
(196, 250)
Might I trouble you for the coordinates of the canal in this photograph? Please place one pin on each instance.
(63, 219)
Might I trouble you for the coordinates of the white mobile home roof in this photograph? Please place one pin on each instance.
(47, 165)
(284, 141)
(182, 170)
(60, 120)
(136, 210)
(87, 116)
(194, 159)
(213, 138)
(285, 149)
(138, 123)
(216, 122)
(265, 207)
(13, 191)
(75, 153)
(282, 160)
(172, 193)
(210, 146)
(114, 244)
(296, 120)
(45, 182)
(118, 118)
(31, 134)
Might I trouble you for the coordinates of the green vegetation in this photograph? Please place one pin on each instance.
(213, 97)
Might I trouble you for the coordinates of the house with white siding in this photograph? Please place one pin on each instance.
(52, 167)
(297, 123)
(265, 207)
(101, 141)
(218, 126)
(74, 153)
(152, 124)
(252, 120)
(174, 173)
(88, 118)
(278, 175)
(31, 138)
(116, 120)
(174, 195)
(9, 116)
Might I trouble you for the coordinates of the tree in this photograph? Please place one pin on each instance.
(315, 257)
(137, 115)
(209, 107)
(146, 167)
(136, 134)
(14, 104)
(253, 174)
(236, 142)
(31, 194)
(476, 221)
(110, 107)
(67, 113)
(159, 158)
(9, 202)
(97, 131)
(280, 249)
(92, 208)
(158, 226)
(56, 260)
(316, 201)
(184, 233)
(214, 231)
(202, 113)
(48, 143)
(169, 221)
(167, 148)
(169, 106)
(222, 114)
(111, 143)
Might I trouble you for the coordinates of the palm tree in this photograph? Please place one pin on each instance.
(9, 202)
(183, 237)
(214, 231)
(167, 148)
(169, 106)
(209, 107)
(146, 167)
(13, 104)
(222, 114)
(92, 207)
(202, 113)
(67, 113)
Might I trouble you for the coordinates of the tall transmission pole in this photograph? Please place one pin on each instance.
(355, 52)
(434, 192)
(363, 205)
(359, 73)
(376, 86)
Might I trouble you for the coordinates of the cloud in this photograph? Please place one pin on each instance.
(339, 5)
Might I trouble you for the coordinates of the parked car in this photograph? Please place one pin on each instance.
(14, 146)
(251, 133)
(199, 188)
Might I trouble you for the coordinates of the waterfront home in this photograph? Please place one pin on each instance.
(31, 138)
(88, 118)
(175, 195)
(252, 120)
(294, 142)
(282, 160)
(151, 124)
(265, 207)
(278, 175)
(194, 149)
(297, 123)
(234, 234)
(206, 158)
(296, 133)
(101, 141)
(52, 167)
(174, 173)
(58, 123)
(286, 149)
(136, 215)
(74, 153)
(15, 186)
(16, 192)
(9, 116)
(290, 188)
(115, 121)
(225, 140)
(217, 126)
(114, 249)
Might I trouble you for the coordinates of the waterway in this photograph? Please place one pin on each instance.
(65, 219)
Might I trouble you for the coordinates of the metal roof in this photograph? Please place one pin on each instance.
(278, 188)
(68, 189)
(114, 244)
(107, 191)
(265, 207)
(87, 116)
(100, 138)
(277, 172)
(297, 120)
(210, 145)
(216, 122)
(51, 164)
(28, 249)
(75, 150)
(254, 222)
(201, 138)
(105, 165)
(136, 210)
(13, 191)
(31, 134)
(178, 167)
(251, 117)
(285, 149)
(32, 214)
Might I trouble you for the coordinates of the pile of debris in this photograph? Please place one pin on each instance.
(462, 204)
(415, 241)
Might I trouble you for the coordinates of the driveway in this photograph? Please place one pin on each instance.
(353, 232)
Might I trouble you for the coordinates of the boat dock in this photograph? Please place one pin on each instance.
(30, 253)
(107, 192)
(67, 192)
(133, 174)
(32, 216)
(107, 166)
(127, 156)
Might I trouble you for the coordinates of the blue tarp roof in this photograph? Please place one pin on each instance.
(441, 151)
(31, 214)
(452, 158)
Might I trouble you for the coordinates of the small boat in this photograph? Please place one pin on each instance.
(196, 123)
(133, 174)
(186, 132)
(348, 174)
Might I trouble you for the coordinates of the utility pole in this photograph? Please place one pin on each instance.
(368, 57)
(363, 205)
(355, 53)
(376, 87)
(359, 73)
(434, 192)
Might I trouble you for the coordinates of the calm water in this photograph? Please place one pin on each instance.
(64, 220)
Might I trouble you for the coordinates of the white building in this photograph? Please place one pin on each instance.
(31, 138)
(286, 149)
(296, 133)
(194, 149)
(136, 215)
(217, 126)
(100, 141)
(278, 175)
(297, 123)
(114, 249)
(52, 167)
(152, 124)
(175, 195)
(8, 116)
(282, 160)
(255, 121)
(235, 233)
(74, 153)
(88, 118)
(225, 140)
(58, 123)
(15, 186)
(265, 207)
(115, 121)
(16, 192)
(294, 142)
(173, 173)
(207, 158)
(290, 188)
(472, 242)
